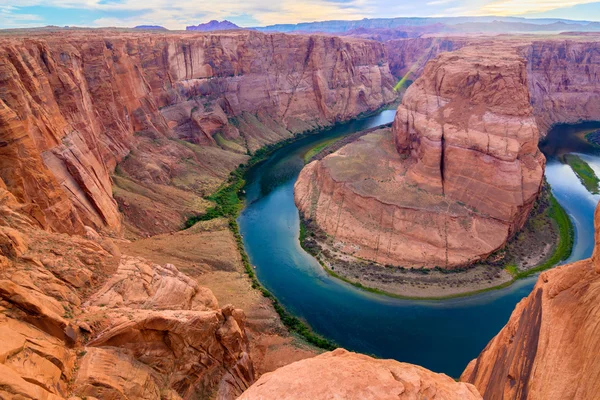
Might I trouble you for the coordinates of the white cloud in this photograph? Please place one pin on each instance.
(10, 19)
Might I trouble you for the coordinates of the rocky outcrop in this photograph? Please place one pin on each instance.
(549, 347)
(343, 375)
(177, 111)
(79, 319)
(458, 180)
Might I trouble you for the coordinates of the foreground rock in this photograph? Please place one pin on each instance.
(549, 347)
(459, 179)
(78, 318)
(343, 375)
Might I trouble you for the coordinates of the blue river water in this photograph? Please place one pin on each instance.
(440, 335)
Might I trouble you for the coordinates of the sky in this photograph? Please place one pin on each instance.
(177, 14)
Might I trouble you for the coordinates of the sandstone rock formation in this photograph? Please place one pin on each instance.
(343, 375)
(564, 80)
(461, 179)
(408, 57)
(178, 111)
(78, 318)
(549, 347)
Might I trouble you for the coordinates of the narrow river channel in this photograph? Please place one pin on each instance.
(440, 335)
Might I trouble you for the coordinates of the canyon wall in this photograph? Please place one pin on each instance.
(408, 57)
(177, 111)
(564, 80)
(549, 347)
(343, 375)
(453, 180)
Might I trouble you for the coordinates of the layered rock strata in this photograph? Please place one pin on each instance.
(343, 375)
(178, 111)
(79, 319)
(452, 181)
(549, 347)
(564, 80)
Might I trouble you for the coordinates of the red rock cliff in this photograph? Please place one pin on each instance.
(74, 104)
(462, 177)
(549, 347)
(564, 80)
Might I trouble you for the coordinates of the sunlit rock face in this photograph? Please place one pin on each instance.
(80, 319)
(75, 104)
(344, 375)
(451, 182)
(549, 347)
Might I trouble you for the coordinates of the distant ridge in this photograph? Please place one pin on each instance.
(213, 25)
(153, 27)
(413, 26)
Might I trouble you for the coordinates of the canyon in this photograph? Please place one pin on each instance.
(110, 140)
(176, 112)
(459, 171)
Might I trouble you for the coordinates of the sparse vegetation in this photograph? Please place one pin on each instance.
(565, 243)
(228, 204)
(317, 149)
(584, 172)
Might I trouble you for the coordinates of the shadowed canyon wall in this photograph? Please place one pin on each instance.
(549, 347)
(179, 112)
(564, 80)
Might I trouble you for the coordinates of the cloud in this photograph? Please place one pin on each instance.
(10, 19)
(177, 14)
(439, 2)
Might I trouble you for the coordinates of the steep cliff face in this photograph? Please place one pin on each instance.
(75, 104)
(564, 80)
(77, 318)
(459, 178)
(549, 347)
(408, 57)
(344, 375)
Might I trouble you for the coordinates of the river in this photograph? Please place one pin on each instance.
(440, 335)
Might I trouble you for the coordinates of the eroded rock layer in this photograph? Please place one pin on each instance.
(564, 80)
(77, 318)
(343, 375)
(549, 347)
(455, 178)
(179, 111)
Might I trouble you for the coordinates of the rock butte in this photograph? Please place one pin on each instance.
(466, 169)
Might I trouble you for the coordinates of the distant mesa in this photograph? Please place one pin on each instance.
(213, 25)
(152, 27)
